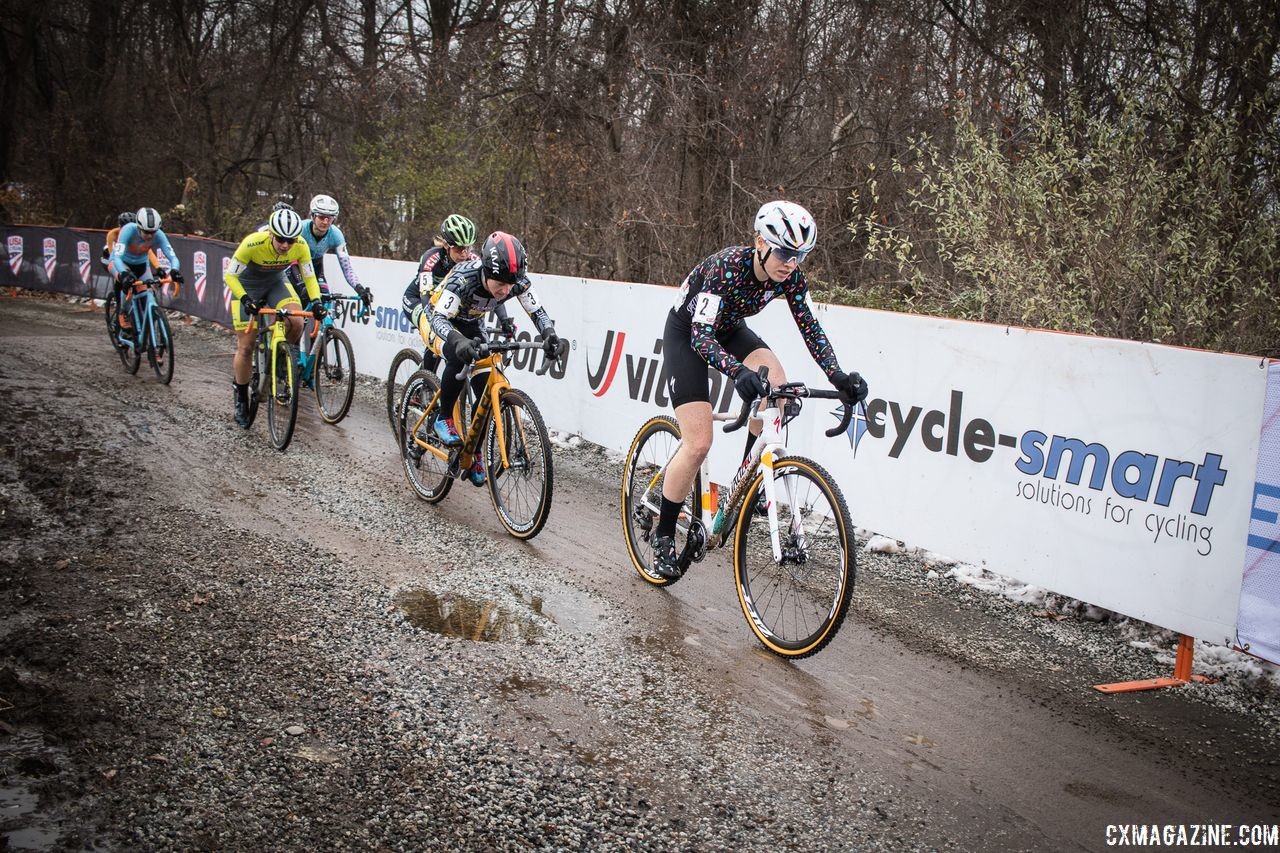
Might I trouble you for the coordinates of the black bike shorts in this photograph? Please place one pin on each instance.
(687, 378)
(275, 294)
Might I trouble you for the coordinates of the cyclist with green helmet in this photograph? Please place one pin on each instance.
(454, 245)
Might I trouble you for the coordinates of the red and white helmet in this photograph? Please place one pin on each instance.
(787, 226)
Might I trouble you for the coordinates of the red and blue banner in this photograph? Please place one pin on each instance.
(61, 260)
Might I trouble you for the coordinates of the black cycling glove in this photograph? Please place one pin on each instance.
(852, 385)
(749, 384)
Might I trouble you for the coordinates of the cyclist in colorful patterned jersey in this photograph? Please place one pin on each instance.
(323, 236)
(452, 246)
(131, 254)
(451, 327)
(256, 278)
(705, 327)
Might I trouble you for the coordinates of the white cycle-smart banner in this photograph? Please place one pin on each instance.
(1138, 477)
(1116, 472)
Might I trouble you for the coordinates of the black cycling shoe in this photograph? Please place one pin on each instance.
(241, 394)
(666, 562)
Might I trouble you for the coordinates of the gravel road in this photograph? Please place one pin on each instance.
(206, 644)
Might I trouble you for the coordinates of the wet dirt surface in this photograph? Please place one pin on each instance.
(207, 644)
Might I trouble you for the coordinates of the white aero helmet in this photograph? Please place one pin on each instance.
(285, 224)
(788, 228)
(148, 219)
(325, 205)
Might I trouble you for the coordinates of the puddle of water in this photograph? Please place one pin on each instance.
(458, 616)
(570, 609)
(29, 829)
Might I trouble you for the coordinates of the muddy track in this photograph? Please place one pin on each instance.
(176, 598)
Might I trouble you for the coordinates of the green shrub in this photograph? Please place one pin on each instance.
(1106, 227)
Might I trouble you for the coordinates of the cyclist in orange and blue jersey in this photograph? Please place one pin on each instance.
(130, 255)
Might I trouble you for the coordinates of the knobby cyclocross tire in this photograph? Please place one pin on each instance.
(426, 472)
(160, 346)
(334, 375)
(404, 365)
(282, 396)
(521, 488)
(795, 607)
(110, 308)
(256, 378)
(653, 446)
(130, 357)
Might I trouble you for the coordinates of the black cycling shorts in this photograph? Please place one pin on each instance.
(687, 377)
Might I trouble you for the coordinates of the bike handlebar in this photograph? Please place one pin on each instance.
(347, 297)
(795, 390)
(285, 312)
(495, 346)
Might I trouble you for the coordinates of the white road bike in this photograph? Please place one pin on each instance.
(789, 525)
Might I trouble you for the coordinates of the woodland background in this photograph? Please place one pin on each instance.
(1098, 166)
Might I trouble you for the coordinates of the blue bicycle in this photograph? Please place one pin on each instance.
(327, 364)
(149, 329)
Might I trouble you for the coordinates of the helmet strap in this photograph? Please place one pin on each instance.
(762, 258)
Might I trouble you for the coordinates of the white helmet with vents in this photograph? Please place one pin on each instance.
(788, 227)
(325, 205)
(148, 219)
(285, 224)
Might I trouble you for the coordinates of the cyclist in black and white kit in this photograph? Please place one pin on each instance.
(452, 246)
(451, 326)
(706, 327)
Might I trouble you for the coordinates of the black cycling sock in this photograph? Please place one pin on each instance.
(751, 441)
(667, 518)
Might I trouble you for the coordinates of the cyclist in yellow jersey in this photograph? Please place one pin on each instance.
(256, 278)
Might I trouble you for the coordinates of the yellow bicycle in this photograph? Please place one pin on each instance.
(516, 448)
(275, 374)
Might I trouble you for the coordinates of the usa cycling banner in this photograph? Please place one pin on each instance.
(69, 260)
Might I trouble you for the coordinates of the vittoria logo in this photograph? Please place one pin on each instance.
(602, 377)
(646, 375)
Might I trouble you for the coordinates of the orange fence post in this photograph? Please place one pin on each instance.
(1181, 673)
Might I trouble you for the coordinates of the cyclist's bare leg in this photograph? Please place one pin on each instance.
(294, 333)
(242, 363)
(695, 443)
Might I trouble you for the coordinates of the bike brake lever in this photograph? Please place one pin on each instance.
(752, 405)
(546, 365)
(845, 419)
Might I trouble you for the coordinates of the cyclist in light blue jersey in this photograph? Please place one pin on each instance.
(129, 259)
(323, 236)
